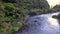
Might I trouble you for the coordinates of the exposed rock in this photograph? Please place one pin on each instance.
(57, 7)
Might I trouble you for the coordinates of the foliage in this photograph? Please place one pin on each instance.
(56, 16)
(9, 12)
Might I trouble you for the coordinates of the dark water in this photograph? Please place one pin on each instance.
(42, 24)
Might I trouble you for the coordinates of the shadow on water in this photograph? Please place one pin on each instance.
(32, 14)
(59, 21)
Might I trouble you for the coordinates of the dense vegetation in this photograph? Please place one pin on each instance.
(13, 13)
(9, 17)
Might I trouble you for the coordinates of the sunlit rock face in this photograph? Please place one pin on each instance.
(42, 24)
(53, 3)
(57, 7)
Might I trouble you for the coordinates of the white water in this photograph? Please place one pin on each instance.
(42, 24)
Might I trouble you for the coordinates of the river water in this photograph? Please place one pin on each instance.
(42, 24)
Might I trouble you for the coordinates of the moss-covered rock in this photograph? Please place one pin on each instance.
(56, 16)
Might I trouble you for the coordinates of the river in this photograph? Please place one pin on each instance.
(42, 24)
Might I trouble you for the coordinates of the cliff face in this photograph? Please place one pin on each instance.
(39, 4)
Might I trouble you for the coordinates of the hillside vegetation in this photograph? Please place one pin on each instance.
(14, 13)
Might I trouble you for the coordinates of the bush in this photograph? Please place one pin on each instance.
(9, 13)
(56, 16)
